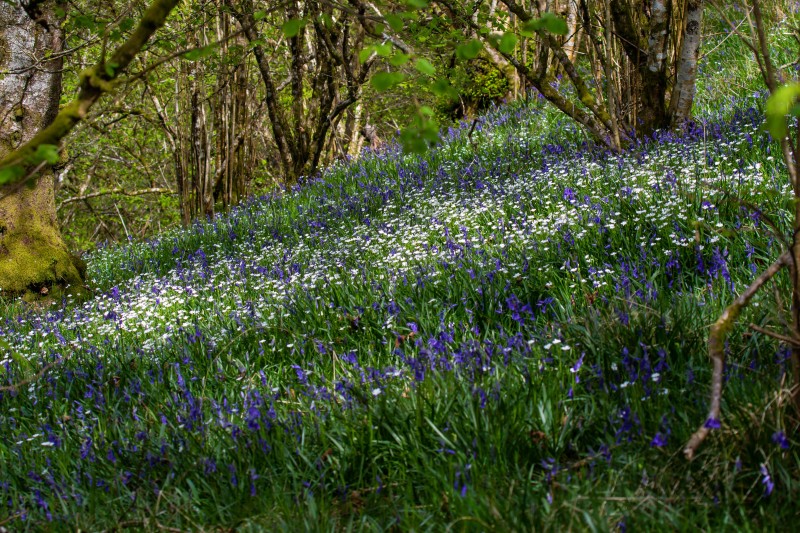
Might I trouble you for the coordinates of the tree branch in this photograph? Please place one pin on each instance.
(95, 82)
(783, 338)
(716, 349)
(119, 191)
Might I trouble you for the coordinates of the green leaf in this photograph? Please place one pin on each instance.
(200, 53)
(259, 15)
(530, 28)
(395, 22)
(779, 105)
(110, 69)
(469, 50)
(417, 4)
(46, 152)
(424, 66)
(383, 81)
(554, 24)
(291, 28)
(508, 43)
(84, 21)
(442, 88)
(421, 134)
(384, 50)
(364, 54)
(11, 174)
(127, 24)
(256, 42)
(399, 59)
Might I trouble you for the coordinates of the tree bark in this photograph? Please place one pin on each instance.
(646, 44)
(33, 255)
(683, 94)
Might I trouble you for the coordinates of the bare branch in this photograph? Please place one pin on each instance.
(117, 191)
(783, 338)
(716, 349)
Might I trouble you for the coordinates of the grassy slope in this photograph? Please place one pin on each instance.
(507, 333)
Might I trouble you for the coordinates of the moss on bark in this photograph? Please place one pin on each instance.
(34, 261)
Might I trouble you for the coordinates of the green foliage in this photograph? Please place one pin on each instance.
(11, 174)
(422, 133)
(548, 22)
(383, 81)
(291, 28)
(201, 53)
(508, 43)
(399, 59)
(783, 103)
(442, 88)
(395, 22)
(46, 153)
(417, 4)
(479, 84)
(469, 50)
(425, 67)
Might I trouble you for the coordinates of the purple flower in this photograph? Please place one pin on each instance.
(713, 423)
(253, 415)
(659, 441)
(766, 480)
(302, 377)
(779, 438)
(253, 478)
(578, 364)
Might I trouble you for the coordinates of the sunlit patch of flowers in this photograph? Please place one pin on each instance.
(474, 212)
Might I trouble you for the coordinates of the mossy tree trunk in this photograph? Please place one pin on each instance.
(33, 255)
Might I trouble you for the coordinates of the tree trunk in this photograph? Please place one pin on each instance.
(683, 94)
(33, 256)
(325, 79)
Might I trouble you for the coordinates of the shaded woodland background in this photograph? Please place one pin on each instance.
(248, 110)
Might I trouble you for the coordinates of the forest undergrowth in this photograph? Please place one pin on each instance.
(506, 333)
